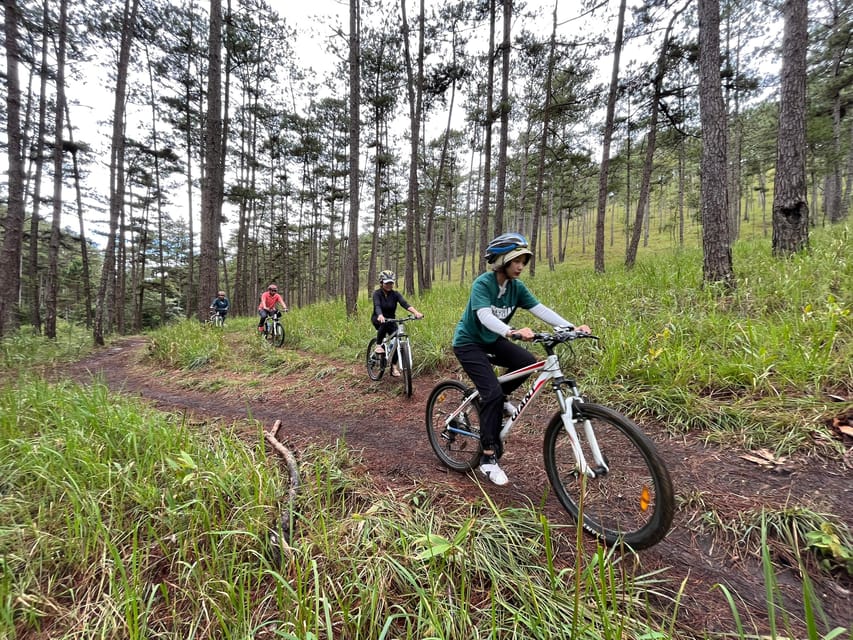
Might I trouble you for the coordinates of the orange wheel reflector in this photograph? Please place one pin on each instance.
(645, 498)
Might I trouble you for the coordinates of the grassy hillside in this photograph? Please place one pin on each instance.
(118, 521)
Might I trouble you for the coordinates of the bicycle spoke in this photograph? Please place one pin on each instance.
(375, 361)
(632, 501)
(457, 446)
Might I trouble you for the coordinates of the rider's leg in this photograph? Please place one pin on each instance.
(475, 362)
(511, 355)
(382, 330)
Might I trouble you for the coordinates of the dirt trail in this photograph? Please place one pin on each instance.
(337, 401)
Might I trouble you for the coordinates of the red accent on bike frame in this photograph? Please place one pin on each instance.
(532, 367)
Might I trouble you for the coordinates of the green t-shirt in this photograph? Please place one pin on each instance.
(484, 294)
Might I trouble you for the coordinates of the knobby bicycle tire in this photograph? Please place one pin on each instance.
(375, 362)
(406, 368)
(457, 451)
(633, 503)
(278, 334)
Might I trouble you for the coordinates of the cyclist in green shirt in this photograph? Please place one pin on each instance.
(483, 339)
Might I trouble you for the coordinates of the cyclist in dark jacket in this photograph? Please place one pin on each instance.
(385, 301)
(221, 305)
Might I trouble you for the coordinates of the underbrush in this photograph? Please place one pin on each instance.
(768, 364)
(117, 521)
(25, 350)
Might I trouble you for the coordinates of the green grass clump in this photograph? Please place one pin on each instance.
(188, 345)
(24, 350)
(116, 520)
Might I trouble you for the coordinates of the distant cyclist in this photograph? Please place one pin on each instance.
(385, 301)
(270, 301)
(482, 339)
(221, 305)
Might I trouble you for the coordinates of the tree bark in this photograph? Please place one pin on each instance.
(500, 187)
(543, 143)
(487, 143)
(717, 253)
(351, 269)
(211, 193)
(608, 135)
(790, 207)
(645, 183)
(53, 255)
(10, 257)
(102, 308)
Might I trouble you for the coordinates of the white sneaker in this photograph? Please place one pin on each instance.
(489, 468)
(509, 409)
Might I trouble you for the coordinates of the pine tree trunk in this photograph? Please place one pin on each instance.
(790, 207)
(717, 254)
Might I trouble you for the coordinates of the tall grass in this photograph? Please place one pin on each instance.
(761, 366)
(116, 521)
(24, 350)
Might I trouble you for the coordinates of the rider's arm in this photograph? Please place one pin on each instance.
(492, 322)
(548, 315)
(377, 306)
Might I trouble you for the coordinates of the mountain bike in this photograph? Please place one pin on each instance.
(273, 329)
(398, 351)
(604, 471)
(216, 319)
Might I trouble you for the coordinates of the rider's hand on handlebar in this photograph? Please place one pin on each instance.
(380, 318)
(526, 334)
(583, 329)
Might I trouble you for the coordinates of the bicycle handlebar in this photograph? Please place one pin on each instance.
(558, 336)
(401, 320)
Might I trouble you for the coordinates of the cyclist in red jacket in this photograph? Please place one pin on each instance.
(270, 301)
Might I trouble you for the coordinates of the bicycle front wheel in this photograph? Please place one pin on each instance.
(631, 503)
(375, 361)
(406, 369)
(456, 444)
(278, 334)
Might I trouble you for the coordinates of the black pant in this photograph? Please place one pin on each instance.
(383, 329)
(475, 360)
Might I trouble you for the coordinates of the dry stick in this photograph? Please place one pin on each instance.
(293, 471)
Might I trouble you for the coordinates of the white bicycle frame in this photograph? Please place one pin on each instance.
(392, 348)
(550, 370)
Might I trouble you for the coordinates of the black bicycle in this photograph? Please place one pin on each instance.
(398, 352)
(604, 471)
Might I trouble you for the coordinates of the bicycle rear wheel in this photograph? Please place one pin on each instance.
(457, 445)
(278, 334)
(406, 369)
(633, 502)
(375, 361)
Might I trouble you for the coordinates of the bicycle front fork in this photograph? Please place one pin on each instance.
(600, 467)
